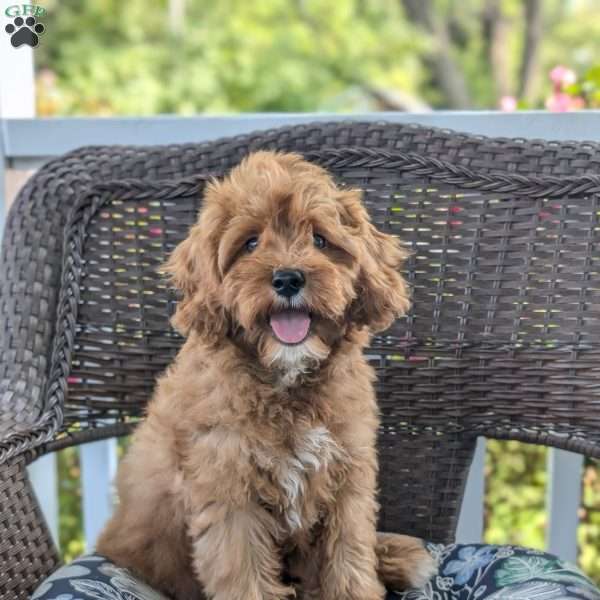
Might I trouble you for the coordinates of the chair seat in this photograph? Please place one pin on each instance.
(473, 571)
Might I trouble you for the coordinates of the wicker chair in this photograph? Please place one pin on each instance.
(501, 342)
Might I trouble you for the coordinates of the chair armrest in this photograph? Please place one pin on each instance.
(26, 420)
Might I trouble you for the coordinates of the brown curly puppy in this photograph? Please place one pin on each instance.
(254, 475)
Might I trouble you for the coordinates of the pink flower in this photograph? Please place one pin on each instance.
(559, 102)
(562, 75)
(508, 103)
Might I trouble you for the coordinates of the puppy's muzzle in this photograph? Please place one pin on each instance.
(288, 282)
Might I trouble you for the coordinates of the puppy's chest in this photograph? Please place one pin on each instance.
(302, 476)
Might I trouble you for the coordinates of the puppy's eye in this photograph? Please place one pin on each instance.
(319, 241)
(251, 244)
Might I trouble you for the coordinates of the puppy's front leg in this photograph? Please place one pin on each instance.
(349, 569)
(234, 553)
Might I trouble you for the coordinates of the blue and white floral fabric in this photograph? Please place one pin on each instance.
(478, 571)
(94, 578)
(465, 572)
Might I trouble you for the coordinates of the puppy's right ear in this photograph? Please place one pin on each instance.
(192, 270)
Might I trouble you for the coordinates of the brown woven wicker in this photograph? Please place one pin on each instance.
(501, 341)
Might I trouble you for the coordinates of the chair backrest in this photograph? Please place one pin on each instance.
(504, 277)
(500, 342)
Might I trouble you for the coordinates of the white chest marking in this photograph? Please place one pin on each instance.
(295, 361)
(313, 451)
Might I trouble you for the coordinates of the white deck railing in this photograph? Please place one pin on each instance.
(26, 143)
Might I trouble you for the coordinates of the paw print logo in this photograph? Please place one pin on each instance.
(24, 31)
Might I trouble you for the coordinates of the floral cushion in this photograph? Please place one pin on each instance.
(477, 571)
(466, 572)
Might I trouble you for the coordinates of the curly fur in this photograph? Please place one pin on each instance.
(253, 476)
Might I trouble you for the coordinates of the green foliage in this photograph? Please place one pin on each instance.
(265, 55)
(70, 516)
(588, 534)
(574, 36)
(515, 494)
(104, 57)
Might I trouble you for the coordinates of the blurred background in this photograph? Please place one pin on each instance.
(134, 57)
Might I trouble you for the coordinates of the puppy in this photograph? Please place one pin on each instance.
(254, 474)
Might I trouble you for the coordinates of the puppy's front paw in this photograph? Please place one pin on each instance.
(424, 569)
(404, 562)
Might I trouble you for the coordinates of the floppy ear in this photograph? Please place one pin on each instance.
(381, 292)
(193, 271)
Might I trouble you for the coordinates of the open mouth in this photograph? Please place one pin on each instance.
(290, 326)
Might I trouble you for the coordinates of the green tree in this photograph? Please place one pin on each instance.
(115, 57)
(229, 56)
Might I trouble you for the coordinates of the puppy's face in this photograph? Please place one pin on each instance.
(286, 263)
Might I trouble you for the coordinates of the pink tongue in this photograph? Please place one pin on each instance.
(290, 326)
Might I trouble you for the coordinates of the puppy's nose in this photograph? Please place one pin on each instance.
(288, 282)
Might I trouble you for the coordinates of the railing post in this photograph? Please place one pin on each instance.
(44, 479)
(17, 94)
(3, 168)
(470, 521)
(98, 468)
(563, 497)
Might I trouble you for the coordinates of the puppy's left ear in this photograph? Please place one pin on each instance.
(381, 292)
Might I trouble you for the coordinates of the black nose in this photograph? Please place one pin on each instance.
(288, 282)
